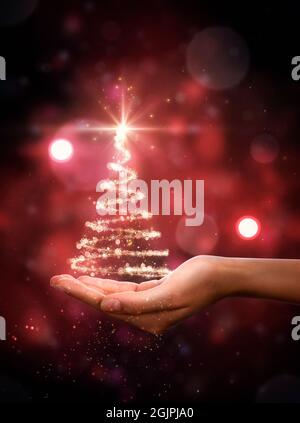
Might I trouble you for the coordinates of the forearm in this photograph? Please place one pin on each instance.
(262, 278)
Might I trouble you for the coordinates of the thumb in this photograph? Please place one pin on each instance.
(137, 302)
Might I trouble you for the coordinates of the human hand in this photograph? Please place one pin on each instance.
(156, 305)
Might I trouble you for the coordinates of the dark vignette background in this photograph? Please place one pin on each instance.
(240, 349)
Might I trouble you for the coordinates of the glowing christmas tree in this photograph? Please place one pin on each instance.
(118, 245)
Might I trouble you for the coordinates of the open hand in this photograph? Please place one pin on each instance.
(153, 306)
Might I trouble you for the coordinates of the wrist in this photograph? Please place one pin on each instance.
(230, 276)
(222, 275)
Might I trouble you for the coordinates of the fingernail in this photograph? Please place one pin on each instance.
(55, 280)
(111, 305)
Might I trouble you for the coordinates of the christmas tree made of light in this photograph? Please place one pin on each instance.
(118, 246)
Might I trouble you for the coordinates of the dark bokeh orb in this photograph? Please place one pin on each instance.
(195, 240)
(264, 148)
(280, 389)
(13, 12)
(218, 58)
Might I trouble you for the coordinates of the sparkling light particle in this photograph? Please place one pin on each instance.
(248, 227)
(61, 150)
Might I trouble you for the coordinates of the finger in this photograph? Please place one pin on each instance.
(76, 289)
(55, 279)
(108, 285)
(155, 299)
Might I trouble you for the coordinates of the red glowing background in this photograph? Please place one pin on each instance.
(236, 127)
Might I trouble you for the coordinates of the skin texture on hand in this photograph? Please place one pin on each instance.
(153, 306)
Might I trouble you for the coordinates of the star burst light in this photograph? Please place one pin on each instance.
(118, 250)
